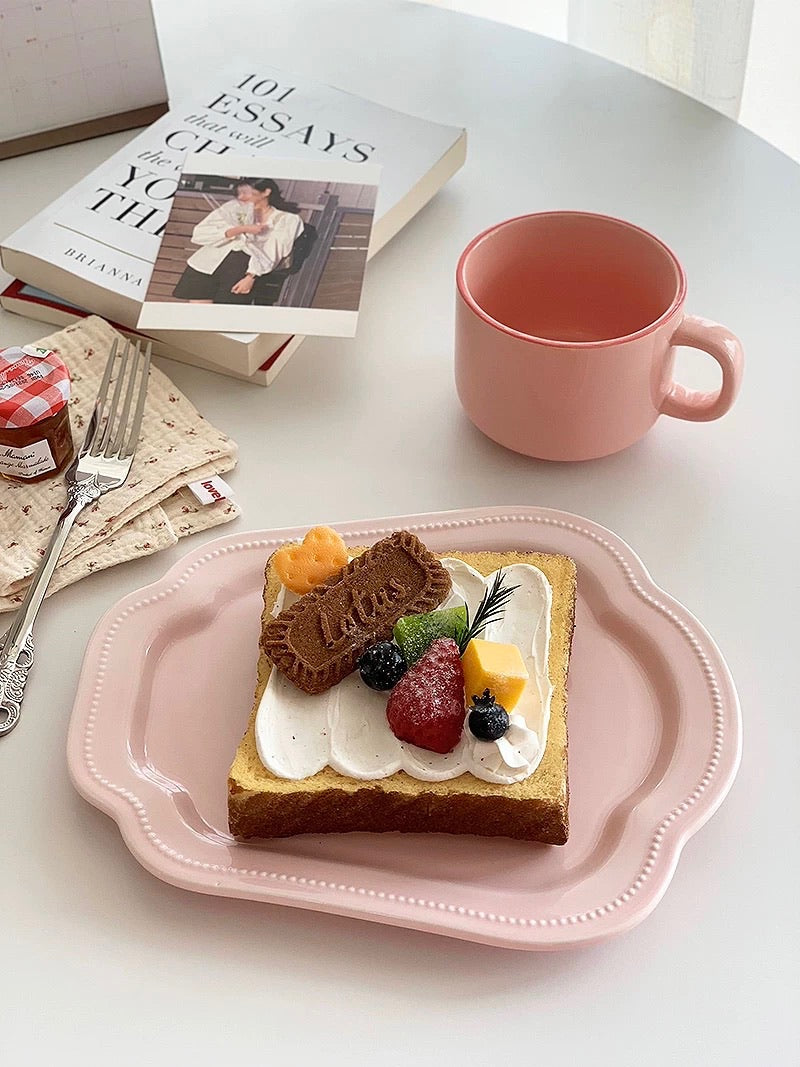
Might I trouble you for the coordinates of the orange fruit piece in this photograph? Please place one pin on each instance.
(301, 567)
(495, 666)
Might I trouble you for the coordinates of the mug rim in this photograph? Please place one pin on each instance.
(551, 342)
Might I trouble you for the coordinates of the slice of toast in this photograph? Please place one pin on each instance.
(263, 805)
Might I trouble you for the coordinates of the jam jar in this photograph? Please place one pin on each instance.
(35, 433)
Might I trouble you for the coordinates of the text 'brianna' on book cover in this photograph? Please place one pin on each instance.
(96, 245)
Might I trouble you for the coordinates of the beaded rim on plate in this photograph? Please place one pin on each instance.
(670, 829)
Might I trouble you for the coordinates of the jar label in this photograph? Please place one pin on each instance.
(27, 462)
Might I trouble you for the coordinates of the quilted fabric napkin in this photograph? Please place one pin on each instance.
(150, 512)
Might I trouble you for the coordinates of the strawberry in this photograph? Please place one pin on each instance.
(426, 707)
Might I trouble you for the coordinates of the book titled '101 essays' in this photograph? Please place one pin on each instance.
(96, 245)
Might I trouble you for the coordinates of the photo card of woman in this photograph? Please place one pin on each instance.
(264, 246)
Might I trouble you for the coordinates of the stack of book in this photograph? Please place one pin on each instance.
(92, 250)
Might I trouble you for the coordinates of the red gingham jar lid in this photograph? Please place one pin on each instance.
(34, 384)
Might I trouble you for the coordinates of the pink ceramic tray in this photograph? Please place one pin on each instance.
(165, 694)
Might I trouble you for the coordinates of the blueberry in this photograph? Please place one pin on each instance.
(487, 720)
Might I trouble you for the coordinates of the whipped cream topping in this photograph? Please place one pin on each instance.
(346, 727)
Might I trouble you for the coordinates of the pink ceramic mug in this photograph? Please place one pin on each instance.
(566, 327)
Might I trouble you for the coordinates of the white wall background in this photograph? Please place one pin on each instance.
(770, 96)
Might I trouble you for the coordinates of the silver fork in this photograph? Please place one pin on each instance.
(102, 464)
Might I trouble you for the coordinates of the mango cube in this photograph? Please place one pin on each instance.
(494, 666)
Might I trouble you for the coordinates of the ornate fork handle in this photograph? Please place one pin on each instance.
(79, 494)
(102, 464)
(16, 648)
(13, 676)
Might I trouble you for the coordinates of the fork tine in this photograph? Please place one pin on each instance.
(115, 444)
(94, 421)
(129, 447)
(105, 437)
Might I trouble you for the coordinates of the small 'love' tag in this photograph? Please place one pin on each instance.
(210, 490)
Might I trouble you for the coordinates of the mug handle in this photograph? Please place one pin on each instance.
(725, 347)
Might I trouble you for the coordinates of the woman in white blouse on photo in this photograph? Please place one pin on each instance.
(241, 241)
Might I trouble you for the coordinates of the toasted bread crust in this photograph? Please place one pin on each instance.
(262, 805)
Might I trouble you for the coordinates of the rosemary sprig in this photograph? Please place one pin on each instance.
(489, 610)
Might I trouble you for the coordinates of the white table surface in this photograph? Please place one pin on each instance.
(98, 959)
